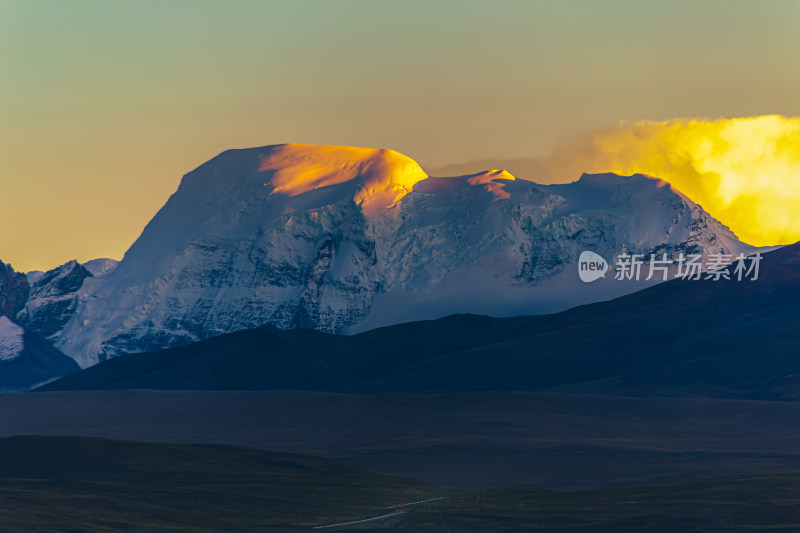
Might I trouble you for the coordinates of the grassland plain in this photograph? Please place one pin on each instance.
(77, 484)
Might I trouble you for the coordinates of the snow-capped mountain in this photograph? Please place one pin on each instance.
(53, 298)
(34, 305)
(27, 360)
(344, 239)
(100, 267)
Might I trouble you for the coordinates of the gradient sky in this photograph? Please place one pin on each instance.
(105, 105)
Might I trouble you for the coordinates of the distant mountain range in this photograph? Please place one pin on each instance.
(43, 302)
(343, 240)
(723, 339)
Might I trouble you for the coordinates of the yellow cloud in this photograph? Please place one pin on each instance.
(743, 171)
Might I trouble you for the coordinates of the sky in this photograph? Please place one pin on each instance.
(105, 105)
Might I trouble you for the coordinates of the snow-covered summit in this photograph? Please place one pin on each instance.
(99, 267)
(241, 191)
(376, 178)
(343, 239)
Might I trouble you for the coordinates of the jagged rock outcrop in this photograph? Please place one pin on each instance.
(53, 299)
(14, 291)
